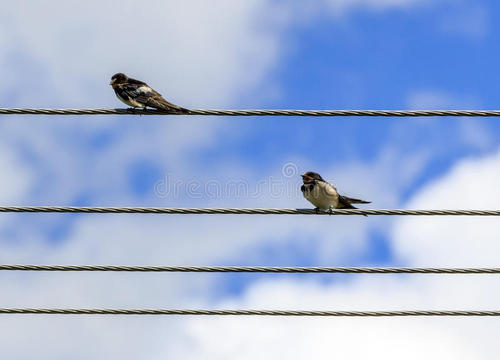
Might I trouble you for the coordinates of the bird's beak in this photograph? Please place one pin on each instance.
(303, 176)
(111, 83)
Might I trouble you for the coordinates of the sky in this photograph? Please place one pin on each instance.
(326, 54)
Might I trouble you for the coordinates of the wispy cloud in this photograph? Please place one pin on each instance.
(200, 54)
(470, 22)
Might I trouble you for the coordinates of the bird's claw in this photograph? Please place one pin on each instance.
(316, 210)
(330, 211)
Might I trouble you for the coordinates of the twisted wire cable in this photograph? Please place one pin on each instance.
(47, 311)
(250, 112)
(251, 269)
(240, 211)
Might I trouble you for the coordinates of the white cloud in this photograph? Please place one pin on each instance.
(475, 133)
(429, 241)
(438, 99)
(199, 54)
(471, 132)
(122, 239)
(471, 184)
(196, 53)
(348, 338)
(16, 177)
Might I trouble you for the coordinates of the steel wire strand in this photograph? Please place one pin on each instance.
(250, 312)
(251, 112)
(241, 211)
(250, 269)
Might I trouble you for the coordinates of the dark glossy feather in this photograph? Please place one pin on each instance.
(355, 201)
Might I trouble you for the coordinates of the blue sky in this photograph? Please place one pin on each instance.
(331, 54)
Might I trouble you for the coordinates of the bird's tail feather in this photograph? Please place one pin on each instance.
(347, 202)
(162, 104)
(174, 109)
(356, 201)
(184, 110)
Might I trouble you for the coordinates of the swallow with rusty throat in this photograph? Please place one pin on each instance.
(324, 195)
(138, 94)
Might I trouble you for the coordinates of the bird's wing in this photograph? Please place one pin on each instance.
(137, 92)
(143, 94)
(157, 101)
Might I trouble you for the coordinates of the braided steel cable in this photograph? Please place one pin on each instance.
(250, 112)
(45, 311)
(240, 211)
(250, 269)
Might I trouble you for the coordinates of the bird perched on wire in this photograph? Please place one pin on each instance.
(324, 195)
(136, 93)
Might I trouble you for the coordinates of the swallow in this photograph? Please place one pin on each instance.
(324, 195)
(138, 94)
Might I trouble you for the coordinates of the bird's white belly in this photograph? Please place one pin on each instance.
(322, 197)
